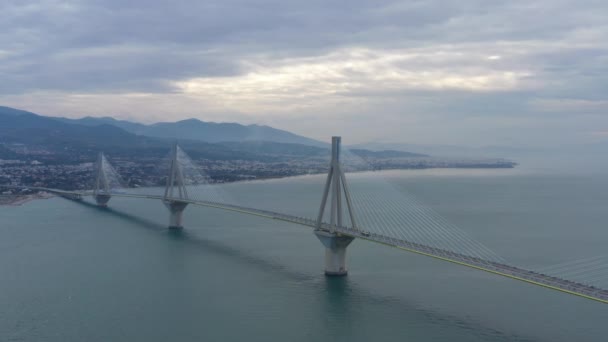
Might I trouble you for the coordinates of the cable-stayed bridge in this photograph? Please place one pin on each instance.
(342, 218)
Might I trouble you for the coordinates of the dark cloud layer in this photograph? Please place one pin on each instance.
(457, 59)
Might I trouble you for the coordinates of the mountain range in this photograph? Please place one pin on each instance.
(195, 129)
(216, 141)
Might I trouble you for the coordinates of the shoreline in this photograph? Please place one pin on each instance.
(18, 200)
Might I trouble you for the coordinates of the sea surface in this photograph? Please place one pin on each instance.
(71, 272)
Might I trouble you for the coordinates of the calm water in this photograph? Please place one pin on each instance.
(72, 272)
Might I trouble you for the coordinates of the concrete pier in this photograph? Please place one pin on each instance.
(335, 252)
(102, 199)
(176, 209)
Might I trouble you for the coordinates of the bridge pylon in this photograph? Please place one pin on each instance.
(335, 243)
(101, 193)
(176, 195)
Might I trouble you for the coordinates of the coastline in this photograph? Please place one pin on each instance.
(18, 200)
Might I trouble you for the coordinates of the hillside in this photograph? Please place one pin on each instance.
(65, 141)
(49, 152)
(28, 128)
(76, 139)
(62, 140)
(195, 129)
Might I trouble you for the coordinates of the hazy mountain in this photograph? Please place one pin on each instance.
(269, 147)
(29, 128)
(67, 138)
(12, 111)
(203, 131)
(128, 126)
(385, 154)
(451, 151)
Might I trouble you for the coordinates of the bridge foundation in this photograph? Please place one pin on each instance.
(102, 199)
(335, 252)
(176, 210)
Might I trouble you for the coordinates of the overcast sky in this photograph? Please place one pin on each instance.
(520, 73)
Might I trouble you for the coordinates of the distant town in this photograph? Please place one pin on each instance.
(40, 151)
(41, 168)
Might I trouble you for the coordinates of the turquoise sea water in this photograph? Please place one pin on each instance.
(73, 272)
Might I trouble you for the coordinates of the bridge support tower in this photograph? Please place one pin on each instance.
(101, 193)
(176, 195)
(334, 242)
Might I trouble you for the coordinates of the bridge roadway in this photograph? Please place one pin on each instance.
(535, 278)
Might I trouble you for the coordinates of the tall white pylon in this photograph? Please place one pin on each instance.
(175, 176)
(336, 182)
(176, 194)
(335, 243)
(101, 193)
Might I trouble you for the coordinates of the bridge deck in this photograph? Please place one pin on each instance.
(555, 283)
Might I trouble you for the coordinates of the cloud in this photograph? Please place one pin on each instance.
(570, 106)
(350, 74)
(357, 65)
